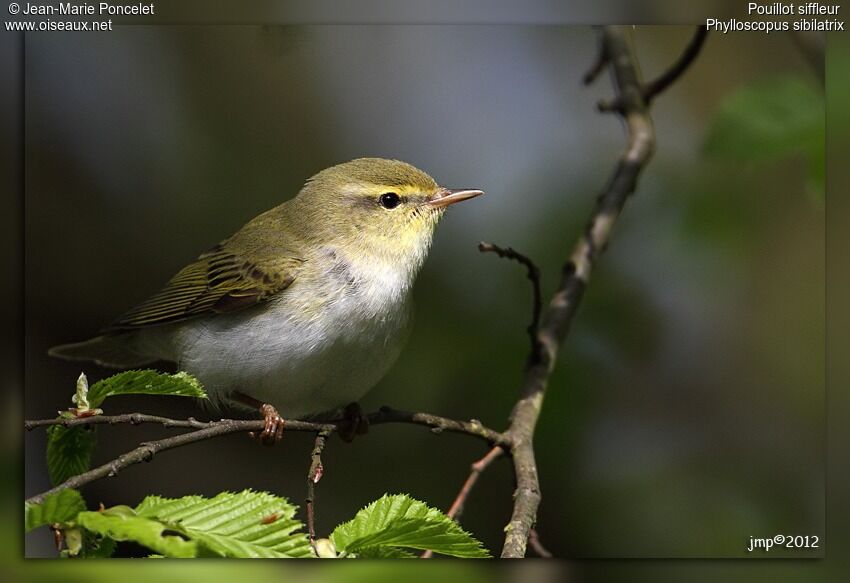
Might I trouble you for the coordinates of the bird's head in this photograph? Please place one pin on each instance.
(376, 209)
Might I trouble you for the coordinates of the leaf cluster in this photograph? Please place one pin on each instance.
(245, 524)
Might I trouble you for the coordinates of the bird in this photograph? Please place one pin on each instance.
(302, 310)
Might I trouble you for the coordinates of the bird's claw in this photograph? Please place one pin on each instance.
(273, 425)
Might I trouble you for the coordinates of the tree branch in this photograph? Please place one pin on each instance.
(146, 451)
(439, 424)
(534, 276)
(475, 471)
(210, 429)
(616, 52)
(190, 423)
(313, 476)
(663, 81)
(652, 89)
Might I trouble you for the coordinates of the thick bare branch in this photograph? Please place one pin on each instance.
(631, 104)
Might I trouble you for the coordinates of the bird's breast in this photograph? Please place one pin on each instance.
(321, 344)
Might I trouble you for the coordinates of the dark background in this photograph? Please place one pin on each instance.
(687, 410)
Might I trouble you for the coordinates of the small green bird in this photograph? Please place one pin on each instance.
(303, 309)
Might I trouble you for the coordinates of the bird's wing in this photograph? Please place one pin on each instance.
(216, 282)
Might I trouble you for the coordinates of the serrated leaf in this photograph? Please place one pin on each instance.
(145, 382)
(63, 506)
(69, 451)
(401, 521)
(247, 524)
(150, 533)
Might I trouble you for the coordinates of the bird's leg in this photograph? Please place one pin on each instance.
(354, 422)
(272, 421)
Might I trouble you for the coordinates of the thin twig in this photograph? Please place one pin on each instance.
(129, 418)
(313, 476)
(211, 429)
(145, 452)
(476, 468)
(533, 275)
(576, 274)
(438, 424)
(384, 415)
(649, 91)
(663, 81)
(598, 65)
(190, 423)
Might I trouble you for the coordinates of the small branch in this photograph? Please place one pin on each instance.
(384, 415)
(313, 476)
(130, 418)
(649, 91)
(210, 429)
(534, 276)
(663, 81)
(438, 424)
(145, 452)
(476, 469)
(190, 423)
(598, 65)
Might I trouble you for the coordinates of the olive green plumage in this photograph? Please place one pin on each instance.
(292, 302)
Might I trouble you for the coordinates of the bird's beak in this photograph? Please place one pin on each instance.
(446, 196)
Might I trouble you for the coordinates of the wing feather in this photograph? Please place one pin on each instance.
(218, 281)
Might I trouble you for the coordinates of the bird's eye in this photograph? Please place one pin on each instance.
(389, 200)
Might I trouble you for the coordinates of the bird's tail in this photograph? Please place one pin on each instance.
(110, 350)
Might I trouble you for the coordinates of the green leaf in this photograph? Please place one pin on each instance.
(768, 119)
(245, 524)
(60, 507)
(771, 120)
(150, 533)
(69, 451)
(145, 382)
(241, 525)
(400, 521)
(97, 547)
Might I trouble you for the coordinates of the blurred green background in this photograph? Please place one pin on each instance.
(687, 410)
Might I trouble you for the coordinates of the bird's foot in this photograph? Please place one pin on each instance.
(354, 422)
(273, 423)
